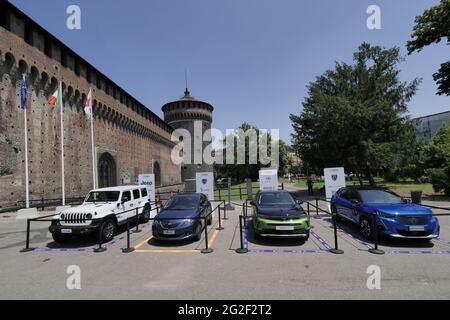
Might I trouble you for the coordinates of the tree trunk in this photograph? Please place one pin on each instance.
(369, 176)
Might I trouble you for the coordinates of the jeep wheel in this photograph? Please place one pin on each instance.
(61, 238)
(108, 230)
(366, 228)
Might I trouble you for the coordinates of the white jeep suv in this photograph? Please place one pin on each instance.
(103, 210)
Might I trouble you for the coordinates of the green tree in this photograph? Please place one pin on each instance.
(431, 27)
(354, 116)
(437, 154)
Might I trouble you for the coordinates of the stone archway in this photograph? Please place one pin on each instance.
(107, 172)
(157, 173)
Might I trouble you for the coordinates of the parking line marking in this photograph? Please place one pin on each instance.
(213, 238)
(143, 242)
(167, 251)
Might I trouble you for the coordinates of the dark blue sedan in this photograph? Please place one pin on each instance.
(183, 218)
(395, 217)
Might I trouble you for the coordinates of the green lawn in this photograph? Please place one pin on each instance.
(403, 188)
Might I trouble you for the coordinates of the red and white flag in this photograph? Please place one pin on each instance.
(55, 99)
(88, 105)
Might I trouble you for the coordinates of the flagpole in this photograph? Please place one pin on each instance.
(27, 187)
(62, 148)
(93, 144)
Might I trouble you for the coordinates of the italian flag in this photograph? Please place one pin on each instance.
(88, 105)
(55, 99)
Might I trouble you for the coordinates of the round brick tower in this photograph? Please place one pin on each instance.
(188, 113)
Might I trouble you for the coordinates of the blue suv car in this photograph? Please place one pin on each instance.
(396, 217)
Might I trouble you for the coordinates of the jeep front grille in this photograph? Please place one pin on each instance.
(74, 218)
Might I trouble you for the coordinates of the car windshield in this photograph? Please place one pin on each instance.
(103, 196)
(276, 199)
(182, 203)
(379, 196)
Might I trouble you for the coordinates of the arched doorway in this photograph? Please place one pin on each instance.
(157, 173)
(107, 174)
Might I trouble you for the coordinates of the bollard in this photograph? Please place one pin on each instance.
(229, 206)
(220, 220)
(137, 221)
(241, 250)
(336, 249)
(100, 248)
(224, 211)
(128, 249)
(375, 250)
(27, 244)
(206, 250)
(245, 208)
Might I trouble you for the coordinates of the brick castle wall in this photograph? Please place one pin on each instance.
(131, 133)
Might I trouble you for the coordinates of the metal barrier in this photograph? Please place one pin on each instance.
(374, 222)
(207, 249)
(336, 249)
(100, 247)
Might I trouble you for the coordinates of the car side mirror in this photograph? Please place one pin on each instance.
(125, 200)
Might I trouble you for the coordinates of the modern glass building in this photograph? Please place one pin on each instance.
(428, 126)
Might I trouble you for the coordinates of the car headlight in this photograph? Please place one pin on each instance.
(62, 216)
(187, 222)
(385, 215)
(89, 216)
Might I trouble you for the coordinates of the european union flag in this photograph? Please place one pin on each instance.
(23, 93)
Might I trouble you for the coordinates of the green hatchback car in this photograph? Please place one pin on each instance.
(278, 214)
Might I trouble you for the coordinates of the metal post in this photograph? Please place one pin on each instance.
(27, 244)
(336, 249)
(317, 206)
(229, 206)
(128, 249)
(245, 209)
(375, 250)
(220, 220)
(207, 249)
(100, 248)
(224, 211)
(241, 250)
(307, 206)
(240, 193)
(137, 221)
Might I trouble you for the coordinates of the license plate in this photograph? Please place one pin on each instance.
(169, 232)
(417, 228)
(285, 228)
(66, 231)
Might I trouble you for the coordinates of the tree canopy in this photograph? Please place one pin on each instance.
(355, 115)
(432, 27)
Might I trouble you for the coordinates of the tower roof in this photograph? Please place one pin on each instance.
(188, 98)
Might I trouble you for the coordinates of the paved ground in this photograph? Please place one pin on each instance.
(271, 270)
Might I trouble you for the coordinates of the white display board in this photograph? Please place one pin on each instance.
(268, 180)
(148, 180)
(205, 184)
(334, 180)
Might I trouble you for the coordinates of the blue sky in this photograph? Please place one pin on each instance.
(251, 59)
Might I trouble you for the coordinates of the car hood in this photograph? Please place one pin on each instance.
(178, 214)
(401, 209)
(281, 211)
(91, 208)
